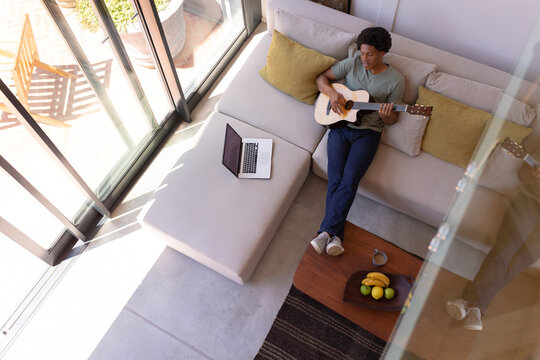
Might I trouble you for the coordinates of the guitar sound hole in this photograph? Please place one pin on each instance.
(349, 105)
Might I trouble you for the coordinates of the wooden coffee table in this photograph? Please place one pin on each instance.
(435, 336)
(323, 277)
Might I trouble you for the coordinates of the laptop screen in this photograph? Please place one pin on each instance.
(232, 150)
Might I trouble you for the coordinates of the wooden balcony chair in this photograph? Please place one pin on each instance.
(22, 64)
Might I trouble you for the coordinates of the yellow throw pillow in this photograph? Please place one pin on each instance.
(514, 131)
(293, 68)
(454, 129)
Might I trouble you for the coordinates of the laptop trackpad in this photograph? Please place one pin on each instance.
(264, 157)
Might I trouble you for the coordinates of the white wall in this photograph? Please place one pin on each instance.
(492, 32)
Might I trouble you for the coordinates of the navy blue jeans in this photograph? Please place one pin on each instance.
(350, 152)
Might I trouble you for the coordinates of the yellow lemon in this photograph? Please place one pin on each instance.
(377, 292)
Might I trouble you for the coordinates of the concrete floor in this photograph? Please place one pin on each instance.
(130, 297)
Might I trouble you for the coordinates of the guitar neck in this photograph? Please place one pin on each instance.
(376, 106)
(518, 151)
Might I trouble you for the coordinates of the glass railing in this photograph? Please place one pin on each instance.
(477, 293)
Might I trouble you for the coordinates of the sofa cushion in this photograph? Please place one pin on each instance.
(454, 129)
(414, 71)
(500, 173)
(533, 188)
(247, 97)
(468, 92)
(466, 68)
(208, 214)
(532, 142)
(481, 96)
(320, 37)
(423, 187)
(293, 68)
(402, 182)
(406, 133)
(316, 12)
(482, 218)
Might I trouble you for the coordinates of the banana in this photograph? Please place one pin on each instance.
(373, 282)
(379, 276)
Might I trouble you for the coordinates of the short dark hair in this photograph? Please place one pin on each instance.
(377, 36)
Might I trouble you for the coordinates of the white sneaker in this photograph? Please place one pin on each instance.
(457, 309)
(334, 247)
(473, 321)
(319, 243)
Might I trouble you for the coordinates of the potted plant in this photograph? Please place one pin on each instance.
(171, 15)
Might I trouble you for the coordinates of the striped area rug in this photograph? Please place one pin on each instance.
(306, 329)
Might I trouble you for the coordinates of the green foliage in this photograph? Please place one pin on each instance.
(121, 13)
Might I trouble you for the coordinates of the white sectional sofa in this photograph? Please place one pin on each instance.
(202, 211)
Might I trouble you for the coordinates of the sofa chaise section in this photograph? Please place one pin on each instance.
(205, 212)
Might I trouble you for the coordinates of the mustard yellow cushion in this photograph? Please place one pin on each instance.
(293, 68)
(514, 131)
(454, 129)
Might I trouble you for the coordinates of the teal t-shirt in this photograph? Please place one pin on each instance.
(385, 87)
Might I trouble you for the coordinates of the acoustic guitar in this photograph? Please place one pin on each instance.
(357, 104)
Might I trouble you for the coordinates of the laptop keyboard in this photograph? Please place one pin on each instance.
(250, 158)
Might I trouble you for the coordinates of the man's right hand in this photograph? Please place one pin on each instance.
(337, 102)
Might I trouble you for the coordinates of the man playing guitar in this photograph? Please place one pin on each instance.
(351, 147)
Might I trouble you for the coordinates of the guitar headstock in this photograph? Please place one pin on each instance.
(420, 110)
(514, 148)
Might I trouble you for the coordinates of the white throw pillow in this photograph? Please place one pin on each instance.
(414, 71)
(481, 96)
(406, 133)
(314, 35)
(500, 173)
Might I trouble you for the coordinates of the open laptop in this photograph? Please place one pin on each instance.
(247, 158)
